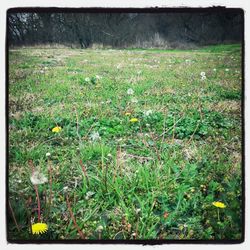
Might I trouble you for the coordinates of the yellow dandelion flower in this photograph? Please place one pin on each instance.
(127, 113)
(56, 129)
(219, 204)
(39, 228)
(133, 120)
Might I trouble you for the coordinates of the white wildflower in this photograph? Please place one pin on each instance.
(203, 76)
(226, 69)
(65, 188)
(48, 154)
(38, 178)
(98, 77)
(41, 71)
(214, 69)
(109, 155)
(138, 210)
(148, 112)
(87, 79)
(89, 194)
(95, 136)
(130, 91)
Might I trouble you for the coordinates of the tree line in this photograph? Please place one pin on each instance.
(119, 30)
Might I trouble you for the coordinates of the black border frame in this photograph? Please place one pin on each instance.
(126, 10)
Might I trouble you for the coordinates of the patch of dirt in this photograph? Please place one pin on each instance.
(227, 106)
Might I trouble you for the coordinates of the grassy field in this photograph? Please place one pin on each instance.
(130, 144)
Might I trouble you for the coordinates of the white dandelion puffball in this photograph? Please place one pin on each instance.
(95, 136)
(203, 74)
(87, 79)
(38, 178)
(130, 91)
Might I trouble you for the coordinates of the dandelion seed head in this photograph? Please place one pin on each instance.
(38, 178)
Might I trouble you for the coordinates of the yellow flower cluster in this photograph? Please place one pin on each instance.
(39, 228)
(56, 129)
(133, 120)
(219, 204)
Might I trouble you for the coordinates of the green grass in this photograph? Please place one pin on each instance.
(153, 179)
